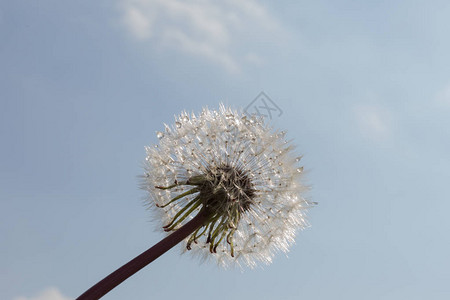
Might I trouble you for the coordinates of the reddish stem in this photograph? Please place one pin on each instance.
(133, 266)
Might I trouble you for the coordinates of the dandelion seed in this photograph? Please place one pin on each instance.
(239, 172)
(159, 135)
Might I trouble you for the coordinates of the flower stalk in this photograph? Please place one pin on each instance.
(120, 275)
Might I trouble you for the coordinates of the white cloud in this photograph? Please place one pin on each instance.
(226, 32)
(200, 48)
(443, 96)
(47, 294)
(375, 122)
(138, 23)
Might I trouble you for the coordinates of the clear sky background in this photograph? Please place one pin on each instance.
(365, 91)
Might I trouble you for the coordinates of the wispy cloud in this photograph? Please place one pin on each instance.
(443, 96)
(47, 294)
(229, 33)
(374, 122)
(138, 23)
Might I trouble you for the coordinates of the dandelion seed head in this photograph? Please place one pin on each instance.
(239, 169)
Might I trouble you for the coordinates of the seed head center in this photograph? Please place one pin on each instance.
(227, 186)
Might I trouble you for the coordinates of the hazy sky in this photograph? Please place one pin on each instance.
(364, 87)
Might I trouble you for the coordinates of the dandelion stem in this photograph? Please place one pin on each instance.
(117, 277)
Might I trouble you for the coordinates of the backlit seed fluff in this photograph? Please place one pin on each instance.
(238, 169)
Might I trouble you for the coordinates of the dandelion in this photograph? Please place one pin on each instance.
(237, 171)
(225, 184)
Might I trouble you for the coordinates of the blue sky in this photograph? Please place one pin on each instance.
(365, 91)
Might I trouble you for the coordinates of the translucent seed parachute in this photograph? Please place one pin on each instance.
(237, 169)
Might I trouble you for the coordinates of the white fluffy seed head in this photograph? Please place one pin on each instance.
(245, 160)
